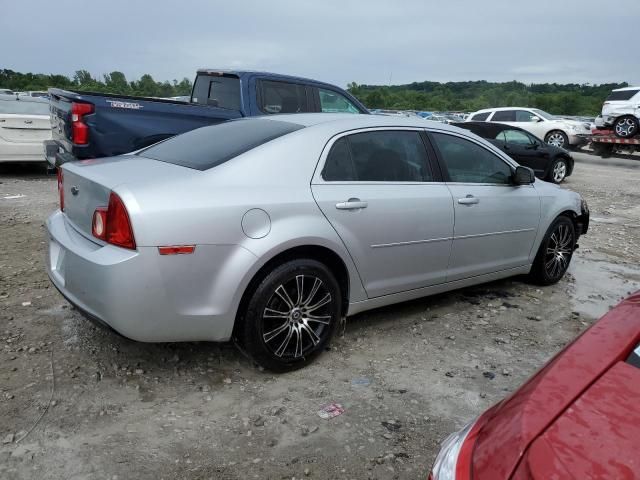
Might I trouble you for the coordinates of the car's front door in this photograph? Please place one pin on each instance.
(524, 149)
(381, 194)
(496, 222)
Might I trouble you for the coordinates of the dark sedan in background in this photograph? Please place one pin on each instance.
(549, 163)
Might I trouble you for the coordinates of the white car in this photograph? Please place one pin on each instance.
(621, 111)
(555, 131)
(24, 125)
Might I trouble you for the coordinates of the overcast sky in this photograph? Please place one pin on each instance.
(366, 41)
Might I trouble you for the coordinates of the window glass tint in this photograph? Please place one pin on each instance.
(516, 137)
(381, 156)
(333, 102)
(524, 116)
(282, 97)
(504, 116)
(481, 117)
(623, 95)
(468, 162)
(207, 147)
(24, 107)
(339, 166)
(222, 92)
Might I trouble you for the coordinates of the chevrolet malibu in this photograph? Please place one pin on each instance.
(270, 231)
(577, 418)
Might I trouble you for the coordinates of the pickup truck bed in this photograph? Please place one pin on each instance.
(92, 125)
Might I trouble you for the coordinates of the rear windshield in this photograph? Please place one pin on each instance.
(217, 91)
(622, 95)
(24, 107)
(208, 147)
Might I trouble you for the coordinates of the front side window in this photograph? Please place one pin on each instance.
(468, 162)
(480, 117)
(526, 116)
(504, 116)
(333, 102)
(380, 156)
(282, 97)
(515, 136)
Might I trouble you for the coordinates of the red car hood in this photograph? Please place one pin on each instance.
(596, 437)
(512, 426)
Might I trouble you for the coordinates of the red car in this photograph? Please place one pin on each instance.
(577, 418)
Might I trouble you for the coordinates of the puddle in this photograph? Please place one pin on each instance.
(599, 284)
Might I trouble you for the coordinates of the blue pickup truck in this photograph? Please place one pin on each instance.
(92, 125)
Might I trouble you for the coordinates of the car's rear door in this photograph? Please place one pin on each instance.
(381, 193)
(496, 222)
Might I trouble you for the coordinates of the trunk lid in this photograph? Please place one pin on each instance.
(87, 184)
(24, 128)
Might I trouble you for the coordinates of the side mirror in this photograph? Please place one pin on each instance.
(523, 176)
(535, 119)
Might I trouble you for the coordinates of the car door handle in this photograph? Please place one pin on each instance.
(28, 122)
(351, 204)
(468, 200)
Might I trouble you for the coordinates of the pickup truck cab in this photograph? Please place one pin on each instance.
(92, 125)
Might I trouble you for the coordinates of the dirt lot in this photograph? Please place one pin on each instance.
(407, 375)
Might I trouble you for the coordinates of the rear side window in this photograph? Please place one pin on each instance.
(333, 102)
(380, 156)
(24, 107)
(467, 162)
(217, 91)
(282, 97)
(208, 147)
(504, 116)
(622, 95)
(480, 117)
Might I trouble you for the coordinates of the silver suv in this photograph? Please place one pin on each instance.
(621, 111)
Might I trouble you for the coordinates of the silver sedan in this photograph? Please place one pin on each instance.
(269, 231)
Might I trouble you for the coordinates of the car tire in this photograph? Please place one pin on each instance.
(626, 126)
(291, 315)
(555, 252)
(558, 171)
(557, 138)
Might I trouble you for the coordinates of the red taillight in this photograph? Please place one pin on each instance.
(79, 130)
(112, 224)
(61, 188)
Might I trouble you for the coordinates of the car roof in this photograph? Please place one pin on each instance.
(625, 89)
(500, 109)
(349, 121)
(275, 76)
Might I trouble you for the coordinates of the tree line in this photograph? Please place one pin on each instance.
(563, 99)
(114, 82)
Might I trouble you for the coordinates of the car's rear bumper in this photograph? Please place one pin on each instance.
(55, 155)
(143, 295)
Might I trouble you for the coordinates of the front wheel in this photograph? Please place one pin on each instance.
(559, 170)
(291, 315)
(626, 127)
(555, 252)
(557, 138)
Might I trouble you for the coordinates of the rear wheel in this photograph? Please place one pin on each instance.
(555, 252)
(559, 170)
(557, 138)
(292, 315)
(626, 127)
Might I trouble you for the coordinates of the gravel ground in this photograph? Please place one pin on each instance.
(407, 375)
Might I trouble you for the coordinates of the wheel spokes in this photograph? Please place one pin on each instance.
(275, 332)
(326, 299)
